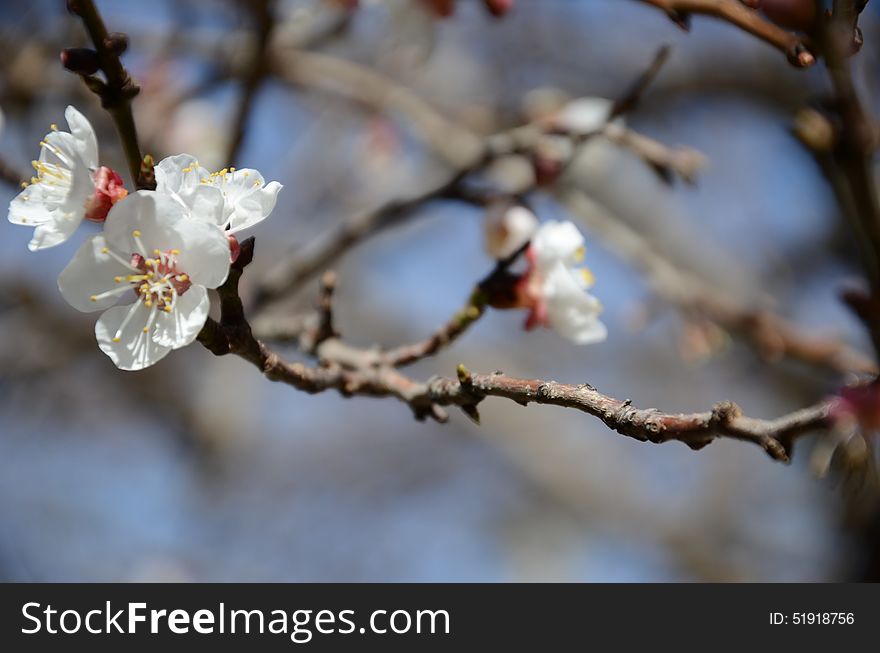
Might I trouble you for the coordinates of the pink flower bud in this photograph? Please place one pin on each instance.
(498, 7)
(858, 404)
(234, 247)
(108, 191)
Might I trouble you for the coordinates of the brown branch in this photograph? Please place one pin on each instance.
(773, 336)
(119, 89)
(684, 162)
(345, 374)
(445, 335)
(795, 47)
(9, 174)
(850, 166)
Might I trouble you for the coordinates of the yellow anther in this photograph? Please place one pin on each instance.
(24, 184)
(117, 279)
(175, 252)
(104, 250)
(53, 127)
(146, 329)
(187, 169)
(167, 308)
(246, 173)
(182, 277)
(156, 252)
(94, 298)
(116, 338)
(580, 253)
(589, 279)
(231, 170)
(136, 233)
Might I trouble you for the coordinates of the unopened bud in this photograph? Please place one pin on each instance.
(117, 42)
(814, 130)
(81, 61)
(108, 191)
(498, 7)
(234, 247)
(507, 228)
(440, 8)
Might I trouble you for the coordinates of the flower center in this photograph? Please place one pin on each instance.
(156, 280)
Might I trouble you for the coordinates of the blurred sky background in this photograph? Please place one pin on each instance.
(200, 469)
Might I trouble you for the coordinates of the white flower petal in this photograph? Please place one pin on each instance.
(178, 173)
(163, 224)
(29, 207)
(204, 255)
(557, 241)
(84, 135)
(181, 326)
(91, 272)
(55, 204)
(507, 228)
(580, 328)
(206, 203)
(53, 232)
(135, 349)
(254, 207)
(153, 214)
(571, 311)
(585, 115)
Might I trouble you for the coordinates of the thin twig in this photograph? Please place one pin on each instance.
(795, 47)
(116, 94)
(233, 335)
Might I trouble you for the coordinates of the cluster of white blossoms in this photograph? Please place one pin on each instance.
(161, 250)
(554, 288)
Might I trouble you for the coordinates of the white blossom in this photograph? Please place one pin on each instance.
(152, 254)
(507, 228)
(68, 187)
(232, 199)
(556, 287)
(584, 115)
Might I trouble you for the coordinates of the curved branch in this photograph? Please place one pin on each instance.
(348, 375)
(795, 47)
(116, 94)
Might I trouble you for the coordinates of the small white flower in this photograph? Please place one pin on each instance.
(556, 289)
(232, 199)
(68, 187)
(507, 228)
(584, 115)
(150, 253)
